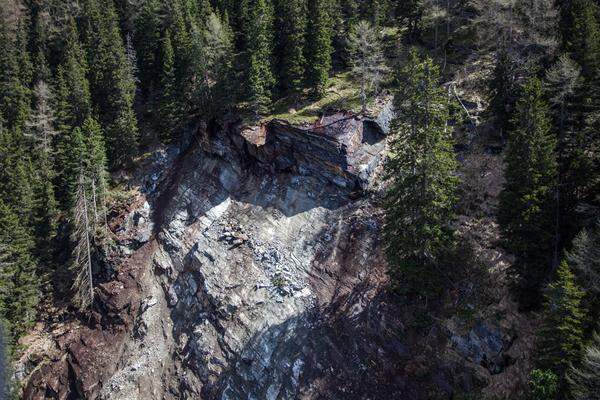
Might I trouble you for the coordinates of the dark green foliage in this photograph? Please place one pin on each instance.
(503, 89)
(410, 14)
(319, 47)
(214, 68)
(147, 43)
(168, 102)
(527, 203)
(15, 76)
(565, 87)
(560, 336)
(111, 80)
(582, 36)
(259, 53)
(73, 103)
(19, 292)
(15, 174)
(421, 169)
(291, 30)
(70, 156)
(543, 385)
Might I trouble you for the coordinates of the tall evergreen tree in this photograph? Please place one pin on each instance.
(19, 285)
(71, 152)
(319, 47)
(73, 102)
(40, 130)
(584, 257)
(95, 170)
(421, 169)
(560, 337)
(112, 81)
(147, 43)
(260, 53)
(15, 175)
(291, 30)
(584, 381)
(168, 104)
(527, 204)
(215, 55)
(15, 76)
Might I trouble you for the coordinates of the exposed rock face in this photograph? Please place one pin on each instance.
(250, 267)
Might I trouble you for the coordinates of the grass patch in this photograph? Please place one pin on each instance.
(342, 94)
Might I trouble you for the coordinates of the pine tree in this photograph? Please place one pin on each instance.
(260, 51)
(584, 381)
(527, 204)
(41, 132)
(584, 258)
(73, 102)
(582, 38)
(367, 59)
(19, 286)
(319, 47)
(563, 85)
(111, 80)
(16, 175)
(147, 43)
(291, 30)
(560, 336)
(421, 169)
(95, 170)
(71, 152)
(15, 76)
(217, 93)
(168, 105)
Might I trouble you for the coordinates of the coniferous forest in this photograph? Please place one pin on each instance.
(89, 88)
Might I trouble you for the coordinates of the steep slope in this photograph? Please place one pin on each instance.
(249, 266)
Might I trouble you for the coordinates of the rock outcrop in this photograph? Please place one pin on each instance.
(250, 266)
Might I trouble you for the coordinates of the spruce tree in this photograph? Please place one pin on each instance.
(584, 257)
(584, 381)
(15, 71)
(217, 92)
(560, 336)
(147, 42)
(71, 152)
(41, 132)
(73, 102)
(111, 80)
(19, 286)
(260, 52)
(583, 35)
(527, 202)
(168, 105)
(319, 47)
(421, 171)
(291, 30)
(16, 175)
(95, 170)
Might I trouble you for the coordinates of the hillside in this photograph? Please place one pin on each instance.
(299, 199)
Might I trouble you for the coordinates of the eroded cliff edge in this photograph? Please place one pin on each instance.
(249, 266)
